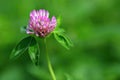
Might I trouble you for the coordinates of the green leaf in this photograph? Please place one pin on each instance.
(22, 46)
(63, 40)
(34, 52)
(60, 36)
(58, 23)
(59, 30)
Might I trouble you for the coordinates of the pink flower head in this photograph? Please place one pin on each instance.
(40, 23)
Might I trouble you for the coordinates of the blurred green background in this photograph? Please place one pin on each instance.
(93, 26)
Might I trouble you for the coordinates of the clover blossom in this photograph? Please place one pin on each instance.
(40, 23)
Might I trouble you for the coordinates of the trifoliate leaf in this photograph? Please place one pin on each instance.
(63, 40)
(22, 46)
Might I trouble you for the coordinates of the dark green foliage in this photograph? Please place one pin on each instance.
(22, 46)
(34, 53)
(63, 40)
(60, 35)
(30, 44)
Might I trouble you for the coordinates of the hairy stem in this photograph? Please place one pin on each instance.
(49, 63)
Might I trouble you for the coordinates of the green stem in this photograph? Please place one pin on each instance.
(49, 63)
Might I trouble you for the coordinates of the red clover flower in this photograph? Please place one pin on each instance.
(40, 23)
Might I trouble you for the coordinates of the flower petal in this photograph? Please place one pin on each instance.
(46, 14)
(43, 13)
(53, 21)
